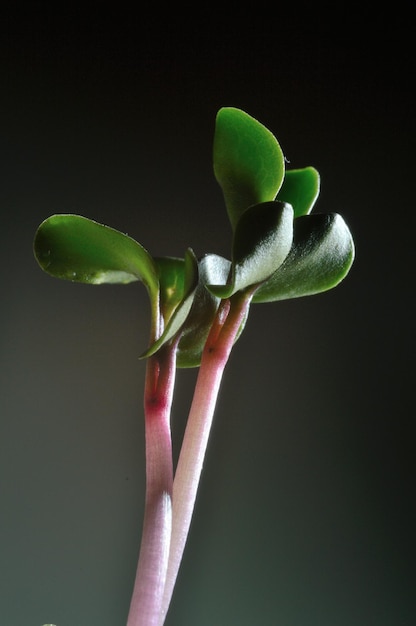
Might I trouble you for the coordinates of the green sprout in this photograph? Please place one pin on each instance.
(199, 308)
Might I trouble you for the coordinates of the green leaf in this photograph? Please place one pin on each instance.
(178, 282)
(248, 161)
(78, 249)
(300, 188)
(212, 268)
(262, 240)
(177, 277)
(321, 256)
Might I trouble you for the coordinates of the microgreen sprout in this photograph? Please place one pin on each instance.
(198, 309)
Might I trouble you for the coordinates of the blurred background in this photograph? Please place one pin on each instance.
(306, 510)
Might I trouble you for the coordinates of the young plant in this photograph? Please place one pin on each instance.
(198, 310)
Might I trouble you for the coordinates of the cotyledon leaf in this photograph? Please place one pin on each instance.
(78, 249)
(177, 277)
(321, 256)
(248, 161)
(262, 240)
(300, 188)
(178, 280)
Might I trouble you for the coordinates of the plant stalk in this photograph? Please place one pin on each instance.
(145, 606)
(224, 331)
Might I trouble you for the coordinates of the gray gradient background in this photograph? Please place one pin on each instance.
(306, 511)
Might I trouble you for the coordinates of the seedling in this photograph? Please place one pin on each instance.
(198, 309)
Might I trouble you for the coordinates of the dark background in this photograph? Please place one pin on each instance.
(306, 511)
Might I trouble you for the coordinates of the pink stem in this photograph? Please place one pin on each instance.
(145, 607)
(214, 359)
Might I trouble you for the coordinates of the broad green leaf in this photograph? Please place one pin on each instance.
(321, 256)
(212, 268)
(300, 188)
(262, 240)
(78, 249)
(178, 282)
(248, 161)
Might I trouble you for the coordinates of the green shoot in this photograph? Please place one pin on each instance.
(198, 310)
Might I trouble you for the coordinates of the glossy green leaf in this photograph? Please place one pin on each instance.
(321, 256)
(300, 188)
(212, 268)
(248, 161)
(262, 240)
(178, 281)
(81, 250)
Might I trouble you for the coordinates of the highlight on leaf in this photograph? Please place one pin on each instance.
(262, 239)
(321, 256)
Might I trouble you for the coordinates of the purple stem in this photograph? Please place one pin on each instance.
(145, 607)
(224, 331)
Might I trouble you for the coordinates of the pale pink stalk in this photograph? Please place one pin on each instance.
(145, 607)
(214, 359)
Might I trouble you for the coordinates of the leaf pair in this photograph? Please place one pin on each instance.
(277, 245)
(250, 167)
(278, 251)
(78, 249)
